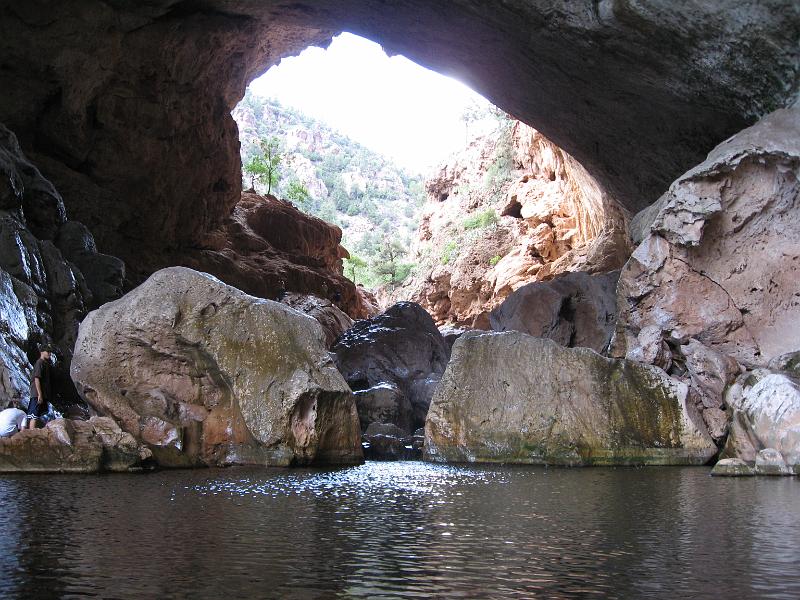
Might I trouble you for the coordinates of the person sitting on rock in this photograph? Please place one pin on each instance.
(12, 420)
(40, 388)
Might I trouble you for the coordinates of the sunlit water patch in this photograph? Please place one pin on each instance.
(405, 530)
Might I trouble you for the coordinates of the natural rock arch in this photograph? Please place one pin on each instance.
(125, 105)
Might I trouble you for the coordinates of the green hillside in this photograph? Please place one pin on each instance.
(325, 173)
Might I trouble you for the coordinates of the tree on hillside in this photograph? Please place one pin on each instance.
(263, 165)
(353, 267)
(297, 192)
(388, 265)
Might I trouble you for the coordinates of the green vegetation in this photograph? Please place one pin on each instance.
(338, 180)
(449, 252)
(495, 259)
(297, 192)
(262, 166)
(482, 219)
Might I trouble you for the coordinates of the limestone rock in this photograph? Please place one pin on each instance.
(789, 363)
(204, 374)
(509, 397)
(770, 462)
(334, 322)
(732, 467)
(766, 415)
(62, 446)
(721, 258)
(402, 347)
(573, 310)
(384, 403)
(135, 81)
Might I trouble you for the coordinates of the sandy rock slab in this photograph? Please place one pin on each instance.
(512, 398)
(204, 374)
(71, 446)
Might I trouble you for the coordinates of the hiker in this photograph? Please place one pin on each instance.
(12, 420)
(40, 388)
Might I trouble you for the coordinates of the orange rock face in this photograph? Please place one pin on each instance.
(268, 248)
(511, 209)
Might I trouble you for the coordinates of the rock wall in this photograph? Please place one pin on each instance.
(543, 215)
(50, 275)
(203, 374)
(267, 247)
(719, 258)
(126, 106)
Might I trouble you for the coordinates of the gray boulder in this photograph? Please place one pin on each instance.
(574, 310)
(402, 347)
(512, 398)
(204, 374)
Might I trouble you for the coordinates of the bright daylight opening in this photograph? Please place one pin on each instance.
(352, 134)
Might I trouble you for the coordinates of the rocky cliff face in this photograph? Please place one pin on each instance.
(50, 275)
(126, 106)
(513, 208)
(268, 247)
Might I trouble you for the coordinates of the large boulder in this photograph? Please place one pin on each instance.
(204, 374)
(334, 322)
(512, 398)
(576, 309)
(402, 347)
(766, 415)
(719, 258)
(70, 446)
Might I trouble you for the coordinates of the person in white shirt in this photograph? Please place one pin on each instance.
(12, 420)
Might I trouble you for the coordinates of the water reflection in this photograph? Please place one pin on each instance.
(408, 530)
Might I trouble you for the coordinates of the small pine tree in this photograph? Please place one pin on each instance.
(263, 166)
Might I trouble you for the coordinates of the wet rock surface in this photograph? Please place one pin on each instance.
(71, 446)
(732, 467)
(43, 292)
(574, 310)
(204, 374)
(512, 398)
(401, 347)
(334, 322)
(384, 441)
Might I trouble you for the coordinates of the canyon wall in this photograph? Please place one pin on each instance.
(511, 209)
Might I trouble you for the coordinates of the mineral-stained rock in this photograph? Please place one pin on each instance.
(721, 258)
(268, 248)
(207, 375)
(401, 346)
(732, 467)
(509, 397)
(575, 309)
(789, 363)
(766, 415)
(13, 335)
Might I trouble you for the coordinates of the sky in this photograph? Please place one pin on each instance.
(388, 104)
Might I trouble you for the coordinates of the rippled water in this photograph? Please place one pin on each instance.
(410, 530)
